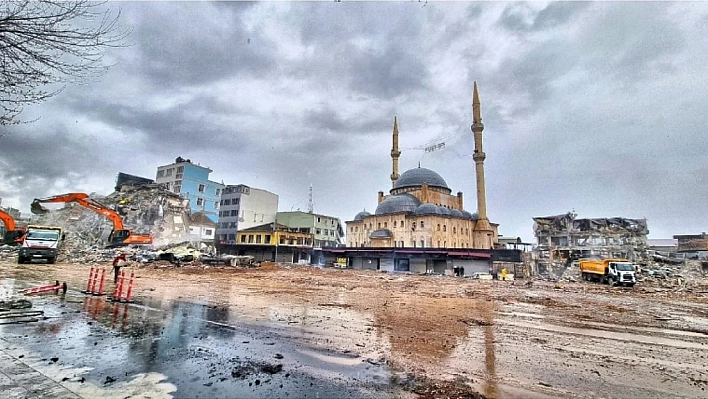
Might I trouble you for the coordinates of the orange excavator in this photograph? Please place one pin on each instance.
(119, 236)
(13, 235)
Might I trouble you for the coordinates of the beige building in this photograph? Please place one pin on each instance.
(421, 211)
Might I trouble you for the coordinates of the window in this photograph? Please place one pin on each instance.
(422, 243)
(444, 227)
(378, 226)
(235, 201)
(267, 239)
(180, 169)
(318, 219)
(438, 226)
(227, 202)
(258, 239)
(413, 227)
(201, 188)
(218, 192)
(232, 237)
(200, 201)
(356, 228)
(178, 188)
(454, 230)
(401, 223)
(160, 173)
(385, 225)
(216, 205)
(332, 222)
(169, 171)
(243, 238)
(394, 224)
(351, 229)
(250, 238)
(233, 225)
(208, 232)
(438, 243)
(234, 212)
(422, 224)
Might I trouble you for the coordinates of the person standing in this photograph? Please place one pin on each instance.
(118, 262)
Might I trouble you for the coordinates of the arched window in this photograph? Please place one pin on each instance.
(394, 224)
(401, 244)
(385, 225)
(454, 230)
(422, 243)
(444, 227)
(413, 226)
(438, 226)
(378, 226)
(402, 224)
(422, 224)
(438, 243)
(356, 228)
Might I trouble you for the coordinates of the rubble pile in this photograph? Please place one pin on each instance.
(148, 209)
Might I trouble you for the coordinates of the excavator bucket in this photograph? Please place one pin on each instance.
(37, 208)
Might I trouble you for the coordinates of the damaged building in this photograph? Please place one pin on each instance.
(562, 239)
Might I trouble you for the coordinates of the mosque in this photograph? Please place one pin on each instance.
(421, 226)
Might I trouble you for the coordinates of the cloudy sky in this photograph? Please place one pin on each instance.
(598, 107)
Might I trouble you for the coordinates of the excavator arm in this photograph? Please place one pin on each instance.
(119, 236)
(12, 234)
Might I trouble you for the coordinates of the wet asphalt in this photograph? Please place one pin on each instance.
(197, 350)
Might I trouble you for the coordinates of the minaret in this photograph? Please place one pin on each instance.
(479, 156)
(395, 153)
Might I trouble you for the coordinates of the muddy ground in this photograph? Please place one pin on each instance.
(364, 333)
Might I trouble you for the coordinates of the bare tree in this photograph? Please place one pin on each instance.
(45, 44)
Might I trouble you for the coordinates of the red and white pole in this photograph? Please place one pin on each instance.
(88, 283)
(130, 287)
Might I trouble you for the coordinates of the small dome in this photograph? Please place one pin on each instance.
(427, 209)
(467, 215)
(444, 211)
(361, 215)
(456, 213)
(397, 204)
(382, 233)
(417, 176)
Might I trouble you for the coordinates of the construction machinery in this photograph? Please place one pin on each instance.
(13, 235)
(611, 271)
(119, 236)
(41, 242)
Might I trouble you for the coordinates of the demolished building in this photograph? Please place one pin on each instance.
(562, 239)
(146, 209)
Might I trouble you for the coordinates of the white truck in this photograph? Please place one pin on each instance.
(41, 242)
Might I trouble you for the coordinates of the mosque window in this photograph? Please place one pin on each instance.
(438, 243)
(378, 226)
(356, 228)
(438, 228)
(402, 223)
(454, 230)
(444, 227)
(385, 225)
(422, 243)
(394, 224)
(422, 224)
(413, 227)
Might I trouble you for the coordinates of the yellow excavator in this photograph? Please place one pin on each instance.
(119, 236)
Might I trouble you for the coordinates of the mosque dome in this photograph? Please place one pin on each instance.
(444, 211)
(456, 213)
(361, 215)
(397, 204)
(427, 209)
(470, 216)
(416, 177)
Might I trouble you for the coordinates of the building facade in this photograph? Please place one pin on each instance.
(192, 182)
(124, 179)
(202, 229)
(327, 230)
(243, 207)
(421, 226)
(273, 242)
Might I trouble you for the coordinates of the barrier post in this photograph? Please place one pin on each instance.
(100, 286)
(88, 283)
(119, 287)
(130, 287)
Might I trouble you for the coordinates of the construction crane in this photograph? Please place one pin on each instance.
(13, 235)
(119, 236)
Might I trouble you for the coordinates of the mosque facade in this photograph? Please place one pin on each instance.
(421, 226)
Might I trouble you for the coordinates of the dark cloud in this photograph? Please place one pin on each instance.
(593, 106)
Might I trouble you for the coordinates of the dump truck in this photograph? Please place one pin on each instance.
(41, 242)
(612, 271)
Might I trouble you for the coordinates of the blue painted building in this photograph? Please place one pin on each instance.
(192, 182)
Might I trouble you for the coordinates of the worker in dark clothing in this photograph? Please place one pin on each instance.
(118, 262)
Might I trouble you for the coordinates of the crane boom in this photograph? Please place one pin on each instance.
(8, 220)
(119, 236)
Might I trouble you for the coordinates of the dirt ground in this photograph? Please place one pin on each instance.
(453, 337)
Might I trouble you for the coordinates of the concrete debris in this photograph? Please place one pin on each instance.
(148, 209)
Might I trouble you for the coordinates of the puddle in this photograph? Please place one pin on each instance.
(200, 350)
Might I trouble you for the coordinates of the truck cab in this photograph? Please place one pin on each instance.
(621, 273)
(41, 242)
